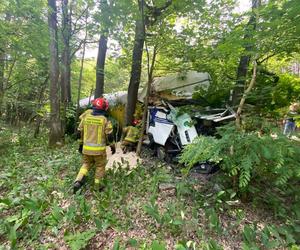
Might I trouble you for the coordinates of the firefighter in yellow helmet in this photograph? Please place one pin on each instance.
(130, 137)
(95, 128)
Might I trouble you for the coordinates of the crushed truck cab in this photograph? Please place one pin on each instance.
(169, 131)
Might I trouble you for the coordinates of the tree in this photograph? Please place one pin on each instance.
(107, 24)
(55, 135)
(66, 54)
(150, 69)
(81, 69)
(136, 66)
(242, 69)
(2, 64)
(102, 48)
(147, 17)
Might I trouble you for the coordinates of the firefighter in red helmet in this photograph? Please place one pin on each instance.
(131, 136)
(95, 128)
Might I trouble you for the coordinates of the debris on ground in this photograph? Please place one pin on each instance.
(130, 159)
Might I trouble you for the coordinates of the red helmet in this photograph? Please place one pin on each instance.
(136, 122)
(100, 103)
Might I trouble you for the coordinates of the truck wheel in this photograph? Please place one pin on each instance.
(160, 153)
(151, 141)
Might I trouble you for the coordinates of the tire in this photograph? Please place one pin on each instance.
(151, 139)
(161, 153)
(202, 168)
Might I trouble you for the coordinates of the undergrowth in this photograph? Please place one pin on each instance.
(38, 210)
(263, 168)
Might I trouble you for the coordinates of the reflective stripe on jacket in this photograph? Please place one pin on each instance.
(95, 128)
(131, 134)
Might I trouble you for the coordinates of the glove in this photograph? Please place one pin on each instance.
(80, 148)
(113, 148)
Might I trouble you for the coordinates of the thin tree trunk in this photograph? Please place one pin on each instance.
(242, 69)
(3, 48)
(40, 105)
(66, 57)
(55, 135)
(136, 69)
(65, 76)
(146, 100)
(90, 96)
(153, 13)
(100, 66)
(2, 66)
(80, 75)
(243, 99)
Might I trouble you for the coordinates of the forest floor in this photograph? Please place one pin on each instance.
(148, 207)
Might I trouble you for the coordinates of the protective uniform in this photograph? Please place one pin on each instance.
(88, 111)
(95, 128)
(131, 138)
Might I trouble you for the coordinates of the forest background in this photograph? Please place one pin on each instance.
(251, 55)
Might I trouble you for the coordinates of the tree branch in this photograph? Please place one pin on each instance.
(266, 58)
(242, 102)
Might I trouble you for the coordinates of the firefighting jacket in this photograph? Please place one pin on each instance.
(95, 129)
(87, 112)
(131, 134)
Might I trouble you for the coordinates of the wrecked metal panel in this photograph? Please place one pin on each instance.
(160, 127)
(186, 130)
(161, 132)
(226, 115)
(178, 86)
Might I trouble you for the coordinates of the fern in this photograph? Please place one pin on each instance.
(246, 154)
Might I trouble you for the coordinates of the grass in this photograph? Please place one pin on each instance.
(38, 210)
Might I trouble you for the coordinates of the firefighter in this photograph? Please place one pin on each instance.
(95, 129)
(130, 137)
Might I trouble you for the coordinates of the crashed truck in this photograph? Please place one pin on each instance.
(168, 128)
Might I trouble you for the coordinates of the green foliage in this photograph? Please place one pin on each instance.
(115, 82)
(273, 93)
(287, 90)
(212, 245)
(249, 236)
(248, 156)
(172, 219)
(253, 162)
(270, 237)
(40, 212)
(213, 220)
(79, 240)
(157, 246)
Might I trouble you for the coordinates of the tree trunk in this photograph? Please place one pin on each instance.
(65, 76)
(100, 66)
(66, 57)
(80, 79)
(55, 135)
(146, 100)
(242, 69)
(136, 69)
(40, 105)
(3, 48)
(243, 99)
(2, 66)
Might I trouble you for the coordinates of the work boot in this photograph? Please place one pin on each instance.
(77, 185)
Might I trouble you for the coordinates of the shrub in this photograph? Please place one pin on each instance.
(247, 156)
